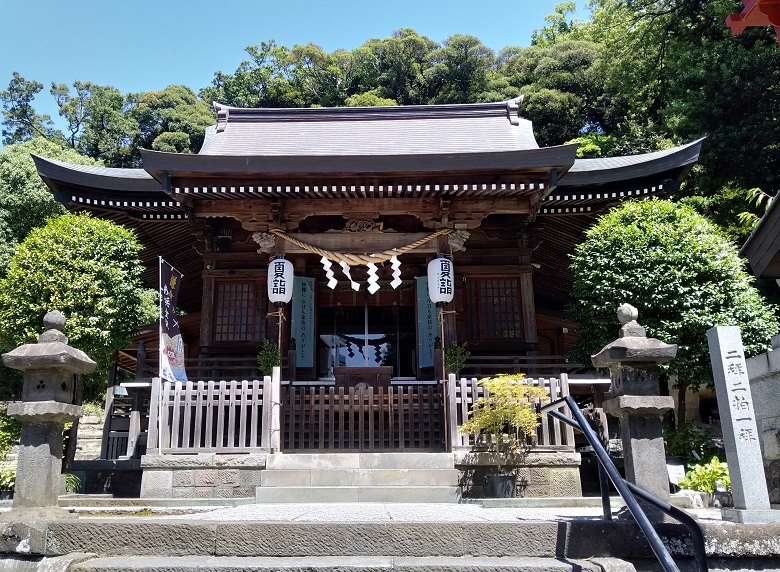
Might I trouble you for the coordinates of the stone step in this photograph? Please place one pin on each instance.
(333, 564)
(360, 461)
(380, 494)
(358, 477)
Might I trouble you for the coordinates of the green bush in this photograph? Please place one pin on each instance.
(455, 357)
(7, 475)
(268, 357)
(691, 441)
(706, 477)
(10, 429)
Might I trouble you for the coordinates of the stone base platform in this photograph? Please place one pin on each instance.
(539, 474)
(205, 475)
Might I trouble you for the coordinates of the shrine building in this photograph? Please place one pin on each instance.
(360, 201)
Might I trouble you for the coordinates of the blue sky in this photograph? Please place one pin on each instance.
(145, 45)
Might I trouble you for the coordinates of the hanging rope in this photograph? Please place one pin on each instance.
(358, 259)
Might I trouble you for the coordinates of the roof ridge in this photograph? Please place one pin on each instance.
(226, 113)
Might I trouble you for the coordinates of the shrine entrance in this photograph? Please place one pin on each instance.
(370, 333)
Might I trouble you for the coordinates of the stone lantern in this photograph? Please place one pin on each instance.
(633, 361)
(47, 394)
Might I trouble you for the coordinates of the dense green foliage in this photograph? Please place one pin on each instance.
(707, 476)
(691, 441)
(679, 271)
(25, 201)
(10, 430)
(88, 269)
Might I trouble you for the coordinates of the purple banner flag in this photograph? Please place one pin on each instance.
(171, 343)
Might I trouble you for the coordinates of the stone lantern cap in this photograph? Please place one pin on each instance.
(633, 346)
(52, 351)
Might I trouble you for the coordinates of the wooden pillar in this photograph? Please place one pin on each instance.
(528, 304)
(207, 310)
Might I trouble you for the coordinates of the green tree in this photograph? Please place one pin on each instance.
(100, 124)
(459, 70)
(20, 122)
(25, 200)
(562, 86)
(264, 80)
(559, 26)
(682, 274)
(173, 119)
(88, 269)
(674, 71)
(401, 63)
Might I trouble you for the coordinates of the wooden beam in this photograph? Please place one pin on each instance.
(465, 211)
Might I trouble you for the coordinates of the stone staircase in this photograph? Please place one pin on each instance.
(90, 438)
(357, 544)
(359, 477)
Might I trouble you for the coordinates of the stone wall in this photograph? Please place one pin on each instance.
(205, 475)
(539, 474)
(764, 373)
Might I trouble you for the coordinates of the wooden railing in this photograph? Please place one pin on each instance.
(398, 417)
(254, 415)
(210, 416)
(464, 392)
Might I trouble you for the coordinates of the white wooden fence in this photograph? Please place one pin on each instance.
(212, 416)
(240, 416)
(462, 393)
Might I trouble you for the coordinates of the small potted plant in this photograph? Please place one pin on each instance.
(268, 357)
(455, 357)
(506, 415)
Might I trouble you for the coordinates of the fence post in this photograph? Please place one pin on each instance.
(265, 426)
(565, 393)
(276, 391)
(152, 446)
(452, 413)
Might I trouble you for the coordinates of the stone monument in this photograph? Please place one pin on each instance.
(633, 361)
(47, 404)
(740, 433)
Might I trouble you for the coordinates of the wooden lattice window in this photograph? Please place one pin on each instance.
(240, 311)
(493, 309)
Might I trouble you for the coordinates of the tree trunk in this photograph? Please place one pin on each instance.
(682, 390)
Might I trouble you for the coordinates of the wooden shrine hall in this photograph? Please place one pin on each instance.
(360, 200)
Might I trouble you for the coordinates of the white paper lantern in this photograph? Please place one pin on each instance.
(441, 280)
(280, 281)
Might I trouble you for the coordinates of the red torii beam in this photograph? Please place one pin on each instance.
(756, 13)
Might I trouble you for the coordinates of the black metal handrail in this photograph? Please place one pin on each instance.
(629, 492)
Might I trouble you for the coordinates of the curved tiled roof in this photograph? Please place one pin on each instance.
(369, 131)
(108, 178)
(610, 169)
